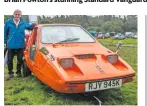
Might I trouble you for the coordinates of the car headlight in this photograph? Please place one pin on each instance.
(112, 59)
(67, 63)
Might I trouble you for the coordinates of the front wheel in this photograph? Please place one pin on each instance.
(26, 70)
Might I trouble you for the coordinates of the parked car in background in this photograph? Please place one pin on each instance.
(112, 34)
(135, 37)
(107, 35)
(100, 35)
(92, 32)
(129, 34)
(119, 36)
(27, 35)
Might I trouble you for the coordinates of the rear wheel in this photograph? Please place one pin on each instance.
(26, 70)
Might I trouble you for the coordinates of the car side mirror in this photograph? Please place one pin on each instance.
(119, 45)
(44, 51)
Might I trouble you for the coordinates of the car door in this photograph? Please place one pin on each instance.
(36, 58)
(31, 49)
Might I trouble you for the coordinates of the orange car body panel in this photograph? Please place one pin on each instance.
(63, 80)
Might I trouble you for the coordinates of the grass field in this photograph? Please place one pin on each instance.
(30, 91)
(110, 41)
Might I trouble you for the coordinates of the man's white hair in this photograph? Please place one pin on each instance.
(17, 11)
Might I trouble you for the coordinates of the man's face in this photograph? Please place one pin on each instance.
(17, 16)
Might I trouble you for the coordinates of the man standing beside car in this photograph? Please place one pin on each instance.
(14, 40)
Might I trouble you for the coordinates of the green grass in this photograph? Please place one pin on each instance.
(30, 91)
(110, 41)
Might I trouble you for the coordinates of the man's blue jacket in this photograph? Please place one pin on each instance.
(14, 36)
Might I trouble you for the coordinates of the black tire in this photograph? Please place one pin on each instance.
(26, 70)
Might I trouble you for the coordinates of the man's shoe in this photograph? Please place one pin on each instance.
(10, 76)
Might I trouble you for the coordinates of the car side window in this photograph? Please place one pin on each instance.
(33, 45)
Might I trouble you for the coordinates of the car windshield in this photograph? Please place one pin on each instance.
(58, 34)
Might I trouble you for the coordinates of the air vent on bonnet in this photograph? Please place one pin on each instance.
(84, 56)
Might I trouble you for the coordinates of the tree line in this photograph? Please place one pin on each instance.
(101, 23)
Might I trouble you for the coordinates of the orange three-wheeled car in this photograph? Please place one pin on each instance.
(69, 60)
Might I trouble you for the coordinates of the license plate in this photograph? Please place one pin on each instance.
(101, 85)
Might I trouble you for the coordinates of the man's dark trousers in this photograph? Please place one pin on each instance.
(11, 54)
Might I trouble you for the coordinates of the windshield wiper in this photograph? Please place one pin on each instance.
(67, 40)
